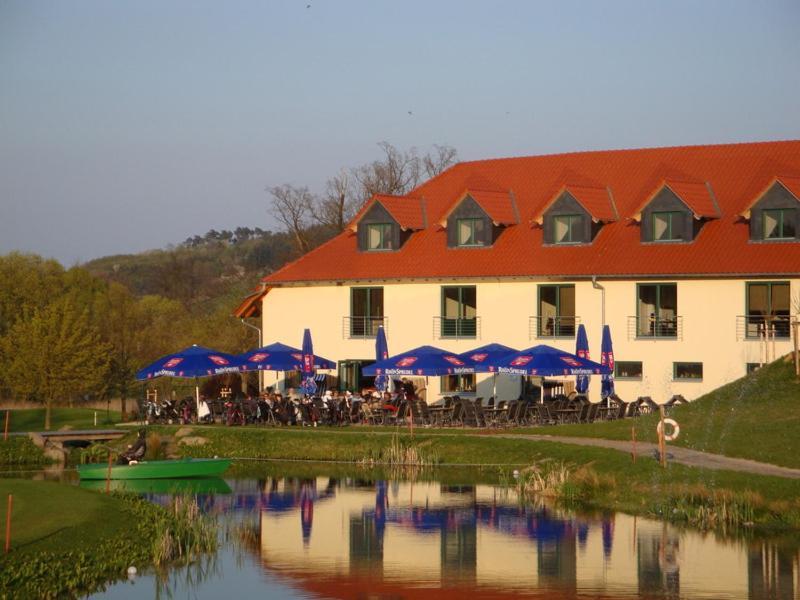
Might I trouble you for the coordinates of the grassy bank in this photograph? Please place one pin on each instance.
(755, 417)
(32, 419)
(67, 541)
(643, 487)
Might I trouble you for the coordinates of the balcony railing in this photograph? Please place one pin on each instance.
(552, 327)
(754, 326)
(445, 327)
(362, 327)
(653, 327)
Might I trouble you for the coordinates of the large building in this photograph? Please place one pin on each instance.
(690, 254)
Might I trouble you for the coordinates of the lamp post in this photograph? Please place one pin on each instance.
(260, 344)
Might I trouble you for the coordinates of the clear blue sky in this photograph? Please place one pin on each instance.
(129, 125)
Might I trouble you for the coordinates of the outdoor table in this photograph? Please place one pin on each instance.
(437, 412)
(565, 413)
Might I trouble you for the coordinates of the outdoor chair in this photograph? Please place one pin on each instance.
(369, 416)
(507, 419)
(591, 416)
(480, 416)
(456, 416)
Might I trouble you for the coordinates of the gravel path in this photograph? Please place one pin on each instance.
(684, 456)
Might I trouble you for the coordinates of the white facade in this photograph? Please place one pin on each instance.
(711, 327)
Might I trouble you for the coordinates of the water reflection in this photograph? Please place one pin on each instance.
(355, 537)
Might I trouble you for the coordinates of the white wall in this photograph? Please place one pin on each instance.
(709, 310)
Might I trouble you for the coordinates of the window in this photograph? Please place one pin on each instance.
(454, 384)
(691, 371)
(567, 229)
(366, 311)
(768, 306)
(379, 236)
(459, 311)
(628, 369)
(666, 225)
(779, 223)
(470, 231)
(752, 367)
(657, 310)
(556, 311)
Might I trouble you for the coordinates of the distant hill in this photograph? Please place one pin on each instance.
(204, 271)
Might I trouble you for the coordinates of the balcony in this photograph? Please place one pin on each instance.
(755, 326)
(454, 329)
(655, 328)
(552, 327)
(362, 327)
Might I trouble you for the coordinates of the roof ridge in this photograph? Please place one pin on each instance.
(623, 150)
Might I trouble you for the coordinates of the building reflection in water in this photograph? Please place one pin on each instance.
(359, 536)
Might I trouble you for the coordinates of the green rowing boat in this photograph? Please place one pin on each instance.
(159, 469)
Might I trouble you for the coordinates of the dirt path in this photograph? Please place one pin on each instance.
(684, 456)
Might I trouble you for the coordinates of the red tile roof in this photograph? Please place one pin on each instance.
(408, 211)
(596, 200)
(696, 195)
(792, 184)
(736, 172)
(499, 206)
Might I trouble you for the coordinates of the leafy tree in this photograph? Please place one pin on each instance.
(55, 353)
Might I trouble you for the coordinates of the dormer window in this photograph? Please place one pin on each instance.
(379, 236)
(775, 212)
(386, 222)
(676, 211)
(470, 231)
(575, 214)
(568, 229)
(667, 224)
(779, 223)
(478, 217)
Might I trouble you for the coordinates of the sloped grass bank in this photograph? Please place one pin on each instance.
(20, 450)
(67, 542)
(642, 487)
(755, 417)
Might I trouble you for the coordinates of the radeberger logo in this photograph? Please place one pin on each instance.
(521, 361)
(479, 357)
(218, 360)
(172, 362)
(258, 357)
(407, 361)
(454, 361)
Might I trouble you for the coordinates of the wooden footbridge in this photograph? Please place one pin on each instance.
(52, 442)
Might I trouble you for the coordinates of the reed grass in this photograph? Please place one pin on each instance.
(402, 453)
(184, 534)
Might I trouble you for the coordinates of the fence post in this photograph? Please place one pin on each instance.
(8, 524)
(8, 418)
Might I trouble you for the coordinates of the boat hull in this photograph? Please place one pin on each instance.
(160, 469)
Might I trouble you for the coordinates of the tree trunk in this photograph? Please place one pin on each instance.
(123, 398)
(47, 405)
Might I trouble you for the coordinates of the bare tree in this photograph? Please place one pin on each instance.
(336, 208)
(292, 206)
(397, 174)
(440, 159)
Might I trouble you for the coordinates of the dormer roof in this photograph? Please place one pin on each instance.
(499, 206)
(791, 183)
(596, 201)
(696, 195)
(408, 211)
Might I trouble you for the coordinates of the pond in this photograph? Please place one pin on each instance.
(352, 535)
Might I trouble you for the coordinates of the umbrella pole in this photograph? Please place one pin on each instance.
(197, 398)
(494, 388)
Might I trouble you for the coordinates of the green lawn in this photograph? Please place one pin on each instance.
(32, 419)
(56, 517)
(756, 417)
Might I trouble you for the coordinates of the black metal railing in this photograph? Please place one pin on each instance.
(552, 327)
(362, 327)
(654, 327)
(446, 327)
(755, 326)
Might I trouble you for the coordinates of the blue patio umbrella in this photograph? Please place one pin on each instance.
(582, 350)
(191, 363)
(483, 354)
(607, 359)
(381, 353)
(309, 386)
(542, 361)
(425, 360)
(279, 357)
